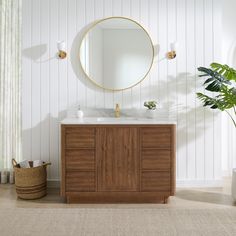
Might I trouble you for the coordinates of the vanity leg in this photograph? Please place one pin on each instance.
(67, 199)
(165, 200)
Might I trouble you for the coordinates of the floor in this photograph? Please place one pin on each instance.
(194, 201)
(194, 197)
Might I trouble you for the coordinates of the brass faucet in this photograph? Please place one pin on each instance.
(117, 111)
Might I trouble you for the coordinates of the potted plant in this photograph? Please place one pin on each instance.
(151, 107)
(221, 81)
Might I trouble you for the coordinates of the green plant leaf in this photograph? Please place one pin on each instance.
(228, 72)
(224, 92)
(215, 81)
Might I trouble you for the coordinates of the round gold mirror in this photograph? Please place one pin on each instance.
(116, 53)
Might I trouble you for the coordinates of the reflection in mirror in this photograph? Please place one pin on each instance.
(116, 53)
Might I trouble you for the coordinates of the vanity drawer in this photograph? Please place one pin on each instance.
(155, 181)
(80, 159)
(79, 137)
(155, 159)
(156, 137)
(80, 181)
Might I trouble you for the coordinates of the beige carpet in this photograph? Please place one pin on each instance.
(109, 221)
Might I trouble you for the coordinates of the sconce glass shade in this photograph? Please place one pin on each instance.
(173, 46)
(61, 45)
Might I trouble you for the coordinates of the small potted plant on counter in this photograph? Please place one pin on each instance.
(151, 107)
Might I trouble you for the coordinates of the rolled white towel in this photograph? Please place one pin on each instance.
(37, 163)
(24, 164)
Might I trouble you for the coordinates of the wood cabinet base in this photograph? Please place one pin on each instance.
(117, 197)
(117, 163)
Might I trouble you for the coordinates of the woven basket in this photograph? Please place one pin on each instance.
(31, 183)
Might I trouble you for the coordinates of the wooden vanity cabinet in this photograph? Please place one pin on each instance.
(117, 163)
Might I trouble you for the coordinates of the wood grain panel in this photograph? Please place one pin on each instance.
(117, 197)
(80, 137)
(80, 181)
(154, 159)
(118, 159)
(156, 137)
(81, 159)
(155, 181)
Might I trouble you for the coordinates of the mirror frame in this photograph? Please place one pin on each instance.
(116, 17)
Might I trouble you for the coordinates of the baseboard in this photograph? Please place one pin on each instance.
(55, 183)
(198, 183)
(227, 173)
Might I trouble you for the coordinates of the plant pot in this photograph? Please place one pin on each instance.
(233, 187)
(151, 114)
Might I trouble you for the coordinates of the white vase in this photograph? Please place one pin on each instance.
(151, 113)
(233, 187)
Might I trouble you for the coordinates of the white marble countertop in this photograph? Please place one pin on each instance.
(113, 120)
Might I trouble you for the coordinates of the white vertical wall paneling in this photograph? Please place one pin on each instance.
(71, 33)
(153, 24)
(228, 129)
(135, 14)
(36, 83)
(90, 17)
(117, 11)
(109, 95)
(145, 21)
(80, 22)
(191, 90)
(63, 64)
(44, 80)
(163, 40)
(52, 85)
(27, 83)
(181, 91)
(54, 89)
(127, 94)
(209, 116)
(85, 79)
(98, 14)
(171, 64)
(217, 39)
(63, 102)
(158, 50)
(200, 121)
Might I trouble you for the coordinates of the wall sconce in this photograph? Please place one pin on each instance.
(61, 46)
(172, 53)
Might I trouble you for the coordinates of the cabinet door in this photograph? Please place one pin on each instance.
(118, 158)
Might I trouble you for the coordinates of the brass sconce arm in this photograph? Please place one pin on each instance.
(171, 55)
(62, 54)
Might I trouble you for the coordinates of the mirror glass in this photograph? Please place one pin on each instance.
(116, 53)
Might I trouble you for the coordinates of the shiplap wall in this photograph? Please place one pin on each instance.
(51, 86)
(228, 57)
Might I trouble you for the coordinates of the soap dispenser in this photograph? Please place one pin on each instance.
(80, 113)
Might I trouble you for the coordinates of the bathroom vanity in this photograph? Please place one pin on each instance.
(117, 160)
